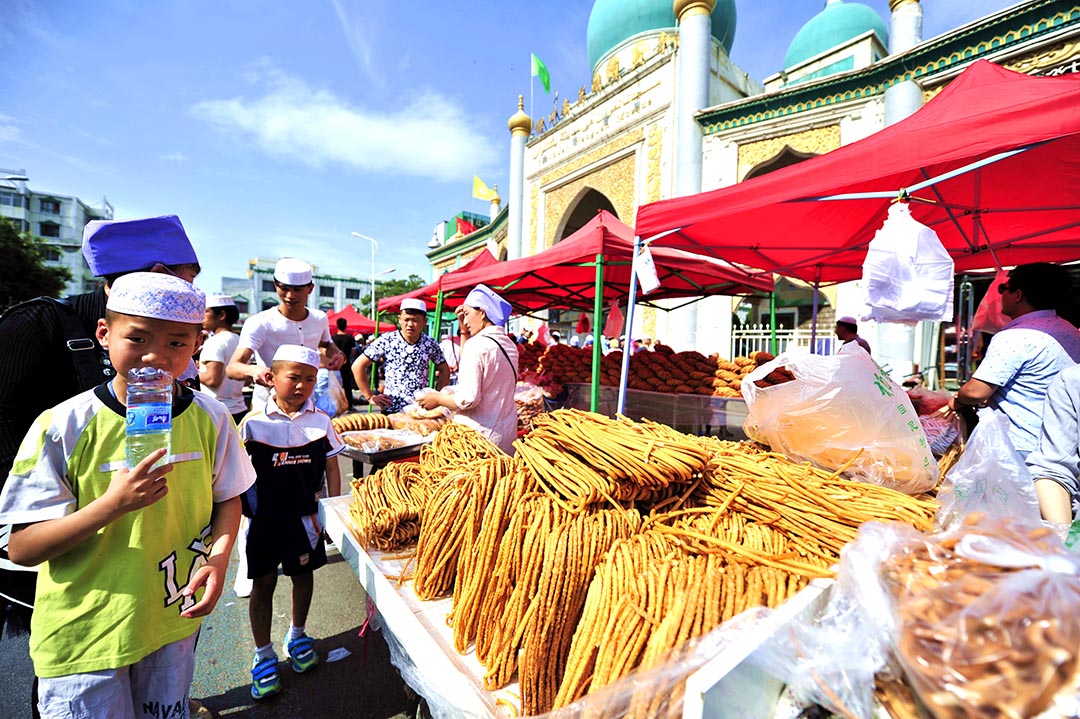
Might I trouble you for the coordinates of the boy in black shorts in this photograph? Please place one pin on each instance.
(291, 445)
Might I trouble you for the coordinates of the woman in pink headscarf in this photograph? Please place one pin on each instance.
(483, 398)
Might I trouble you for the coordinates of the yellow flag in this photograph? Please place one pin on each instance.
(480, 191)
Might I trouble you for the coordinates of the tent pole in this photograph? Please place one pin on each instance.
(813, 322)
(772, 323)
(598, 315)
(435, 334)
(374, 380)
(625, 370)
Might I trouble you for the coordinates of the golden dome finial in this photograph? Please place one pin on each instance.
(519, 121)
(703, 7)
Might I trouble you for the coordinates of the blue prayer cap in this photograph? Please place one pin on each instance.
(484, 298)
(114, 246)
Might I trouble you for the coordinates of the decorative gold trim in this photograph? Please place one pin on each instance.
(519, 122)
(611, 148)
(1033, 62)
(616, 181)
(893, 4)
(654, 151)
(686, 8)
(534, 196)
(816, 141)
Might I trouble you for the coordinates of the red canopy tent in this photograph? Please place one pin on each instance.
(430, 293)
(992, 164)
(356, 322)
(565, 275)
(593, 267)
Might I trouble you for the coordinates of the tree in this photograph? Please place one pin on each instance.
(393, 288)
(23, 273)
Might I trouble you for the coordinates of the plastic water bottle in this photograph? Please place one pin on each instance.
(149, 414)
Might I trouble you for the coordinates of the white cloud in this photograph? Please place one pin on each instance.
(428, 136)
(178, 157)
(359, 35)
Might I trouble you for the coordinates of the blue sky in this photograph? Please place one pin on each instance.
(277, 127)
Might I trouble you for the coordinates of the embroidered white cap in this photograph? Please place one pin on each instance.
(220, 301)
(292, 271)
(157, 296)
(411, 304)
(297, 353)
(848, 320)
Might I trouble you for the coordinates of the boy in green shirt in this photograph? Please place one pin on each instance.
(131, 560)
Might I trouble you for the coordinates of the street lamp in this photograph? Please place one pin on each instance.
(374, 246)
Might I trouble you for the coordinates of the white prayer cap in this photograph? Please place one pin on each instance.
(496, 308)
(297, 353)
(157, 296)
(848, 320)
(292, 271)
(411, 304)
(220, 301)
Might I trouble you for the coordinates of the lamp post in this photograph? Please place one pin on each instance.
(374, 246)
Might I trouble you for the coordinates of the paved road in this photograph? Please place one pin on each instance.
(361, 686)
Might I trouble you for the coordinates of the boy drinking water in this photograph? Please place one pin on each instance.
(131, 560)
(290, 443)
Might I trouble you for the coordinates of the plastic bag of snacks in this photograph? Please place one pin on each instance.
(841, 412)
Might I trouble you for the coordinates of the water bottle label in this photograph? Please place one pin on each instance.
(149, 418)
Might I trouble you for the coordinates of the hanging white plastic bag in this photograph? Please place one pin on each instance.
(988, 316)
(907, 273)
(841, 411)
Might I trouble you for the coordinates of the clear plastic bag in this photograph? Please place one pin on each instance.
(841, 412)
(987, 619)
(907, 273)
(989, 477)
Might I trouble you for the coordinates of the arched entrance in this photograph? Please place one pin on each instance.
(582, 209)
(784, 158)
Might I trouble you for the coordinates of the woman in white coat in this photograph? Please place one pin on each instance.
(483, 398)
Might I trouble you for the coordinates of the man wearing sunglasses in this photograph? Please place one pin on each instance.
(1028, 353)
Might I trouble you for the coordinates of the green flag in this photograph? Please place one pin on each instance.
(539, 69)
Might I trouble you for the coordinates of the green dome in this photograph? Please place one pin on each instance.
(613, 21)
(839, 22)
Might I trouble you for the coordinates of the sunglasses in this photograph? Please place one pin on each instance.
(1003, 288)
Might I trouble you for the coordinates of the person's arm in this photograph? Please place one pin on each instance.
(361, 370)
(129, 490)
(974, 393)
(240, 368)
(211, 374)
(442, 375)
(333, 477)
(335, 358)
(224, 523)
(1055, 463)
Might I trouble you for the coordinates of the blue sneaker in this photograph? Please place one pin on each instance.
(302, 654)
(264, 678)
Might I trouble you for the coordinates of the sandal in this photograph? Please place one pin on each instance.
(302, 654)
(264, 678)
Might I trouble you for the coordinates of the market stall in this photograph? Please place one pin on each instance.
(591, 269)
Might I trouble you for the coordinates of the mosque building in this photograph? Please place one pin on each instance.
(668, 114)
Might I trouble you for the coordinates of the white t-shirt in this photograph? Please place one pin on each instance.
(219, 347)
(265, 332)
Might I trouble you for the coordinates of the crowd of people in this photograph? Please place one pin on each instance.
(114, 630)
(112, 626)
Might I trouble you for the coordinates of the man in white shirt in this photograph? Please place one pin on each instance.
(220, 316)
(291, 322)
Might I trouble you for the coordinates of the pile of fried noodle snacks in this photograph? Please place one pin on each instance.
(605, 543)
